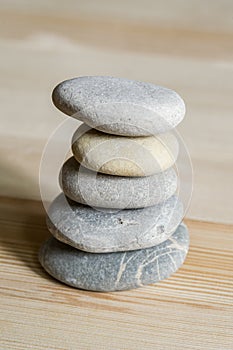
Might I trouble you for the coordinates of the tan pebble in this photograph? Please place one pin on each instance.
(123, 155)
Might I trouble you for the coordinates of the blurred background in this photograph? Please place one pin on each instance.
(184, 45)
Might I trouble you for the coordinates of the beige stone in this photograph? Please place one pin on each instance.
(124, 156)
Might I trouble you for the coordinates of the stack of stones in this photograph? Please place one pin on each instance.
(118, 222)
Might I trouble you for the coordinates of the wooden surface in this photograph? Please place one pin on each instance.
(191, 310)
(184, 45)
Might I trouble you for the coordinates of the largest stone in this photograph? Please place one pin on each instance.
(120, 106)
(114, 271)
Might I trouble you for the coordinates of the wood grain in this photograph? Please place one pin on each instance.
(186, 46)
(191, 310)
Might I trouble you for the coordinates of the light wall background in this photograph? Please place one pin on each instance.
(184, 45)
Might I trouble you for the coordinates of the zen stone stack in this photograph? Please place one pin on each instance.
(118, 222)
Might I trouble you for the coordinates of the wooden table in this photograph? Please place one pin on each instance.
(184, 45)
(191, 310)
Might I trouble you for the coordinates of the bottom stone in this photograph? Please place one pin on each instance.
(115, 271)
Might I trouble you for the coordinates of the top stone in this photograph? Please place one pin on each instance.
(120, 106)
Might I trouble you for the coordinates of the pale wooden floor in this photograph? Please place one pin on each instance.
(184, 45)
(191, 310)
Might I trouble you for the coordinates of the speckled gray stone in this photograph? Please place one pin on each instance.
(106, 191)
(115, 271)
(103, 230)
(120, 106)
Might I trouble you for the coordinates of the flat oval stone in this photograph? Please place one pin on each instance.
(115, 271)
(118, 192)
(124, 156)
(120, 106)
(100, 231)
